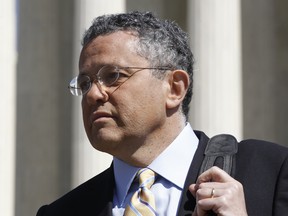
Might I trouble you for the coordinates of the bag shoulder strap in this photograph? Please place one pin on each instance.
(220, 151)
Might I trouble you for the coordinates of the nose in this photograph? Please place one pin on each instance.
(96, 94)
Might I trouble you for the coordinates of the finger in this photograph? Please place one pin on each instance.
(205, 188)
(194, 213)
(201, 211)
(192, 189)
(205, 193)
(208, 204)
(214, 174)
(216, 189)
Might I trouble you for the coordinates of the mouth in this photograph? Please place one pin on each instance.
(100, 116)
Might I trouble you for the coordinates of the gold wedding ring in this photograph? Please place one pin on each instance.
(212, 192)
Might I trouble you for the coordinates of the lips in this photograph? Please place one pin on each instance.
(98, 115)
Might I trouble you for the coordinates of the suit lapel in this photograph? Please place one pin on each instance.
(107, 210)
(105, 192)
(188, 202)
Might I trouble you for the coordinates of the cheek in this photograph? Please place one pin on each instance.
(143, 109)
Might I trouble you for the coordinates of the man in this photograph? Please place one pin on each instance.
(135, 79)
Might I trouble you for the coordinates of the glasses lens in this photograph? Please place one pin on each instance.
(79, 85)
(108, 75)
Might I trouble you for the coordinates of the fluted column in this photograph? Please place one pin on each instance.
(43, 135)
(87, 161)
(215, 36)
(265, 69)
(7, 108)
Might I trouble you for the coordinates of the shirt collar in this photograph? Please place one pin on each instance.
(124, 175)
(177, 157)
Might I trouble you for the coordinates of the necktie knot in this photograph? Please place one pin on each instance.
(142, 201)
(146, 178)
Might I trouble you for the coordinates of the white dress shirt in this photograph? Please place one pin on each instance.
(171, 165)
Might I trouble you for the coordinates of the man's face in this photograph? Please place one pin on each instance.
(121, 122)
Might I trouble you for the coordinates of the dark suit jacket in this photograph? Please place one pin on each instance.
(261, 167)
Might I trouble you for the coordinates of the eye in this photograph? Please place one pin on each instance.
(83, 83)
(122, 75)
(109, 77)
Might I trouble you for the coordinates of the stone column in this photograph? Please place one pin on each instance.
(87, 161)
(215, 29)
(265, 69)
(45, 47)
(8, 105)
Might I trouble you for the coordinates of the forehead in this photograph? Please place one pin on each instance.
(118, 48)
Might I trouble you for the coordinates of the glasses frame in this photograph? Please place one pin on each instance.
(96, 77)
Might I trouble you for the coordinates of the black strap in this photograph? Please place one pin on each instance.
(220, 151)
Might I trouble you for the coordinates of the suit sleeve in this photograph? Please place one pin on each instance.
(281, 193)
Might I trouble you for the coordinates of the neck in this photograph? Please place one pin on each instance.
(155, 143)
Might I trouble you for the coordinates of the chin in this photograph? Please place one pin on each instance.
(105, 144)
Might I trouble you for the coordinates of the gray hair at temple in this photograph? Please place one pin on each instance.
(161, 42)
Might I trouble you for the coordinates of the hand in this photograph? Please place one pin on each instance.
(217, 191)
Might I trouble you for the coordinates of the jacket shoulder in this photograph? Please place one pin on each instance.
(258, 157)
(263, 149)
(91, 196)
(262, 168)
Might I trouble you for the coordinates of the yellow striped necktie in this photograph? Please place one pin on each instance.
(143, 202)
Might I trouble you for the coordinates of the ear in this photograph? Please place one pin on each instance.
(178, 84)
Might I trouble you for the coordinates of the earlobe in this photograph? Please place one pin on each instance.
(178, 85)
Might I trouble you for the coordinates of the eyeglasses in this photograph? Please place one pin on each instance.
(107, 76)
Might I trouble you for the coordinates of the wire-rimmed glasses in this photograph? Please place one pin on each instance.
(108, 76)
